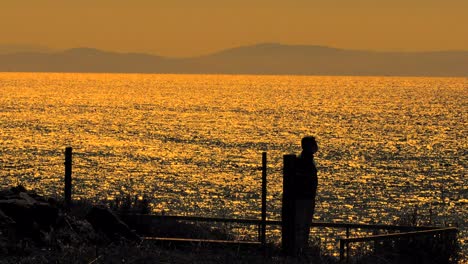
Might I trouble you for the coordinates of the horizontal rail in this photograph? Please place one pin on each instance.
(199, 219)
(202, 241)
(344, 242)
(369, 226)
(408, 231)
(277, 222)
(400, 235)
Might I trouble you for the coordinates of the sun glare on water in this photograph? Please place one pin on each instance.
(193, 143)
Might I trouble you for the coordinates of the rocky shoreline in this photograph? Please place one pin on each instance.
(37, 229)
(25, 215)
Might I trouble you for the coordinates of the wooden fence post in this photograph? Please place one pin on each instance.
(68, 178)
(288, 236)
(342, 250)
(264, 197)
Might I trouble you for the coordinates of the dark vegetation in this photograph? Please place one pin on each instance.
(34, 229)
(430, 249)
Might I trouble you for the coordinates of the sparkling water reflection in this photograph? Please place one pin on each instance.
(193, 142)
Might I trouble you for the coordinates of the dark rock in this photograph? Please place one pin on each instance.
(29, 216)
(7, 194)
(16, 208)
(27, 198)
(19, 192)
(45, 215)
(53, 202)
(20, 212)
(104, 220)
(18, 189)
(7, 227)
(5, 220)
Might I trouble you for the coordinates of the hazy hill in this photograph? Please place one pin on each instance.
(15, 48)
(81, 60)
(269, 58)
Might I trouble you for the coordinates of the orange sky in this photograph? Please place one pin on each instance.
(188, 27)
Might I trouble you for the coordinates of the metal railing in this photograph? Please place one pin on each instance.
(408, 231)
(432, 231)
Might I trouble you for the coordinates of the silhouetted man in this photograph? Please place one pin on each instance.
(306, 186)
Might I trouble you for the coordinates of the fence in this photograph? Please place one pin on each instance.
(287, 221)
(434, 236)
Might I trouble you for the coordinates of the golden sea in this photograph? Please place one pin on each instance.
(193, 143)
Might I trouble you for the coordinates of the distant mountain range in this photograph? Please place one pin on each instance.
(16, 48)
(268, 58)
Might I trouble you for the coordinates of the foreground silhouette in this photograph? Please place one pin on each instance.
(306, 182)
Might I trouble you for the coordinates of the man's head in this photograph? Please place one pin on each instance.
(309, 145)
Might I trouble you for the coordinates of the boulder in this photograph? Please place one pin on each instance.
(6, 194)
(7, 226)
(18, 189)
(45, 215)
(27, 198)
(29, 215)
(5, 220)
(104, 220)
(20, 212)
